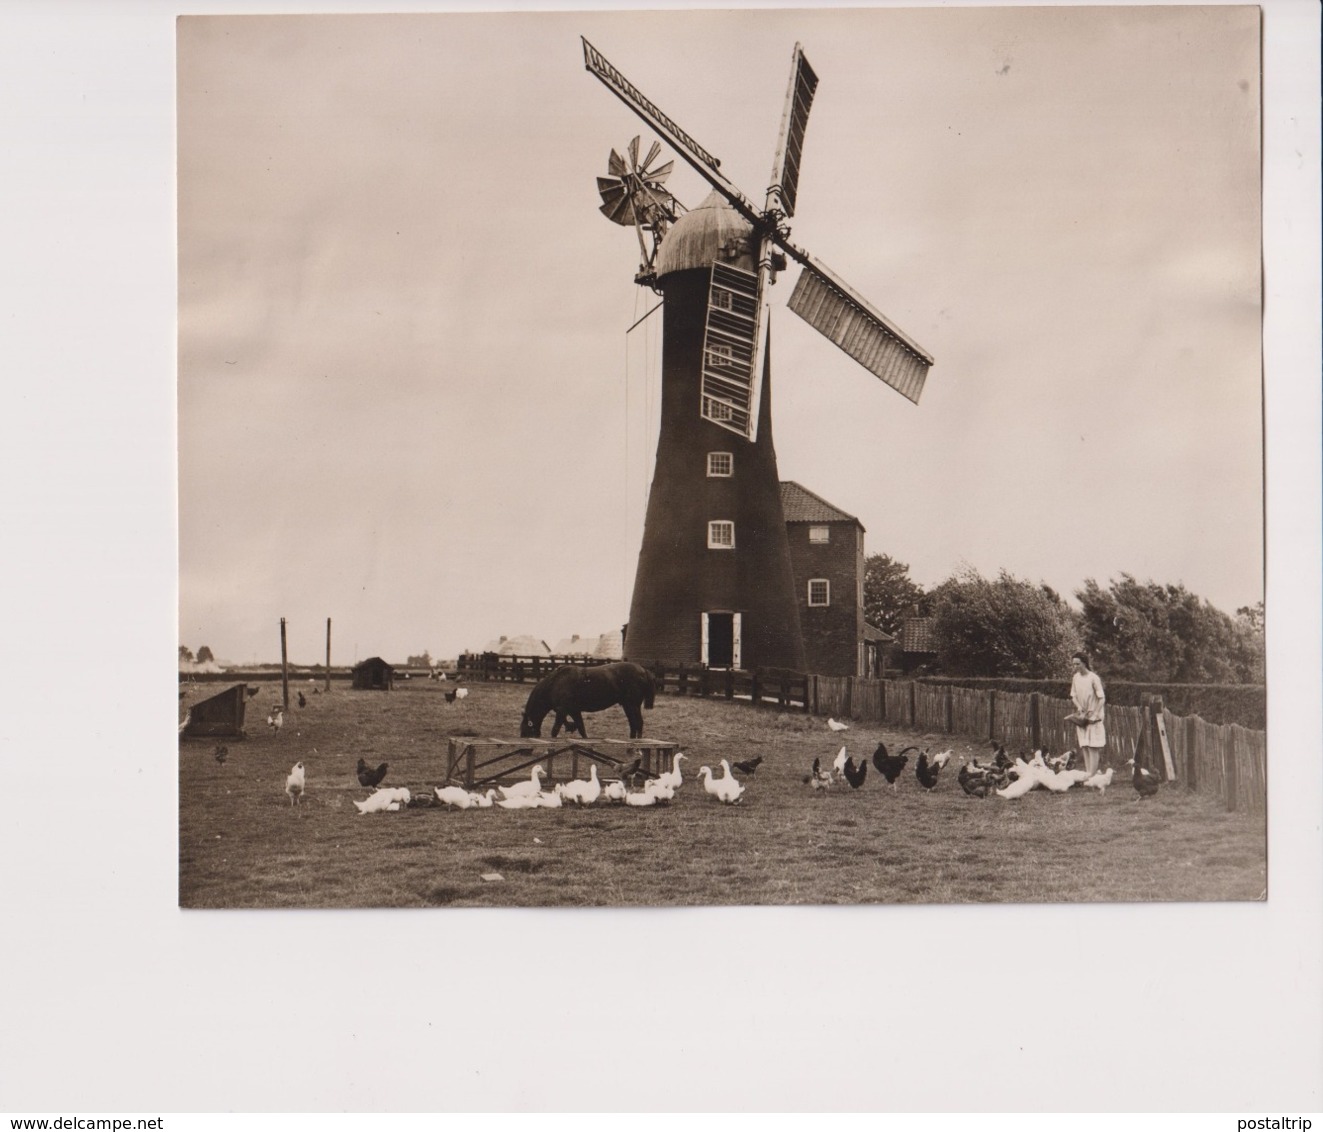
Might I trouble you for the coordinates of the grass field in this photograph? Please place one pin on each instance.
(241, 844)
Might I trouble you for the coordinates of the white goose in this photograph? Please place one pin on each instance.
(523, 789)
(483, 801)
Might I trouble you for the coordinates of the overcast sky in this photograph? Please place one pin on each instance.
(407, 400)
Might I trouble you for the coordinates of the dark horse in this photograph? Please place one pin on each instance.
(571, 691)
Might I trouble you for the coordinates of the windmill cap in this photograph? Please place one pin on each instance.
(713, 232)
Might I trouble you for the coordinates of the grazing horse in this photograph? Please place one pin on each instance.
(571, 691)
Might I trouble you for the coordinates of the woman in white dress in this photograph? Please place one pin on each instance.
(1086, 692)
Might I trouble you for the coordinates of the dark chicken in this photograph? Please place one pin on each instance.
(888, 766)
(368, 777)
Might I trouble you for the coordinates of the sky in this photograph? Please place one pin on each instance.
(407, 400)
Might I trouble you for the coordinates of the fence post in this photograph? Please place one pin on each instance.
(1035, 726)
(950, 710)
(730, 683)
(885, 684)
(807, 678)
(1231, 784)
(849, 697)
(992, 714)
(914, 703)
(753, 687)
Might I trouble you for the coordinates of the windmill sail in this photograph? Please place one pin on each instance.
(841, 314)
(728, 380)
(790, 147)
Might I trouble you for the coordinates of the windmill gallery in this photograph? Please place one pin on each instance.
(715, 582)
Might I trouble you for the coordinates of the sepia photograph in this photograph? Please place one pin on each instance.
(562, 473)
(696, 550)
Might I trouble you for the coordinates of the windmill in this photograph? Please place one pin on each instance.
(714, 581)
(634, 193)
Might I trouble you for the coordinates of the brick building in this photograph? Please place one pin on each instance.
(827, 558)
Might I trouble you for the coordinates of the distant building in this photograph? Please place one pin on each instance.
(221, 714)
(518, 646)
(917, 644)
(374, 674)
(827, 557)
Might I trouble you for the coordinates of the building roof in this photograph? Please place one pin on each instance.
(373, 660)
(873, 633)
(801, 506)
(709, 232)
(919, 634)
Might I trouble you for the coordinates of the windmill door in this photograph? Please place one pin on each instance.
(721, 640)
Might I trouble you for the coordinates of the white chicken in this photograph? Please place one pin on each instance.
(294, 784)
(833, 725)
(838, 764)
(461, 693)
(276, 720)
(940, 759)
(523, 789)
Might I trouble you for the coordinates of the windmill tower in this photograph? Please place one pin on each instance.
(714, 583)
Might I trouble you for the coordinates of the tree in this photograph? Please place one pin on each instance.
(186, 653)
(1147, 631)
(205, 655)
(1001, 627)
(1251, 616)
(889, 594)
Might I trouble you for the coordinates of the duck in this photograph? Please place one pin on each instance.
(519, 802)
(532, 786)
(548, 799)
(674, 778)
(1145, 781)
(888, 766)
(1019, 788)
(454, 797)
(614, 791)
(726, 789)
(662, 791)
(641, 798)
(380, 802)
(584, 792)
(483, 801)
(294, 783)
(836, 725)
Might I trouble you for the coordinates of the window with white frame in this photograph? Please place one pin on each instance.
(723, 299)
(716, 410)
(720, 464)
(718, 356)
(819, 534)
(819, 591)
(721, 535)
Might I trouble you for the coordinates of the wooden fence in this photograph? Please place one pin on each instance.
(1227, 762)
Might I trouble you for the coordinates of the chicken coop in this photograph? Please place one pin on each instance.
(222, 714)
(374, 674)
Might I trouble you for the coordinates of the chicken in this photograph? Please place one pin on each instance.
(252, 690)
(838, 763)
(294, 784)
(1002, 760)
(368, 777)
(940, 759)
(748, 766)
(975, 780)
(855, 775)
(888, 766)
(276, 720)
(1059, 763)
(1020, 787)
(303, 700)
(1145, 781)
(462, 693)
(833, 725)
(222, 753)
(450, 697)
(819, 779)
(926, 772)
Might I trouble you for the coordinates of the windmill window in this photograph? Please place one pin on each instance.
(819, 534)
(721, 535)
(717, 410)
(819, 591)
(720, 464)
(723, 298)
(718, 356)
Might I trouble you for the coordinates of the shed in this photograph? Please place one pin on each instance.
(222, 714)
(374, 673)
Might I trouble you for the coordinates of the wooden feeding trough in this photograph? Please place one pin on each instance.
(222, 714)
(486, 762)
